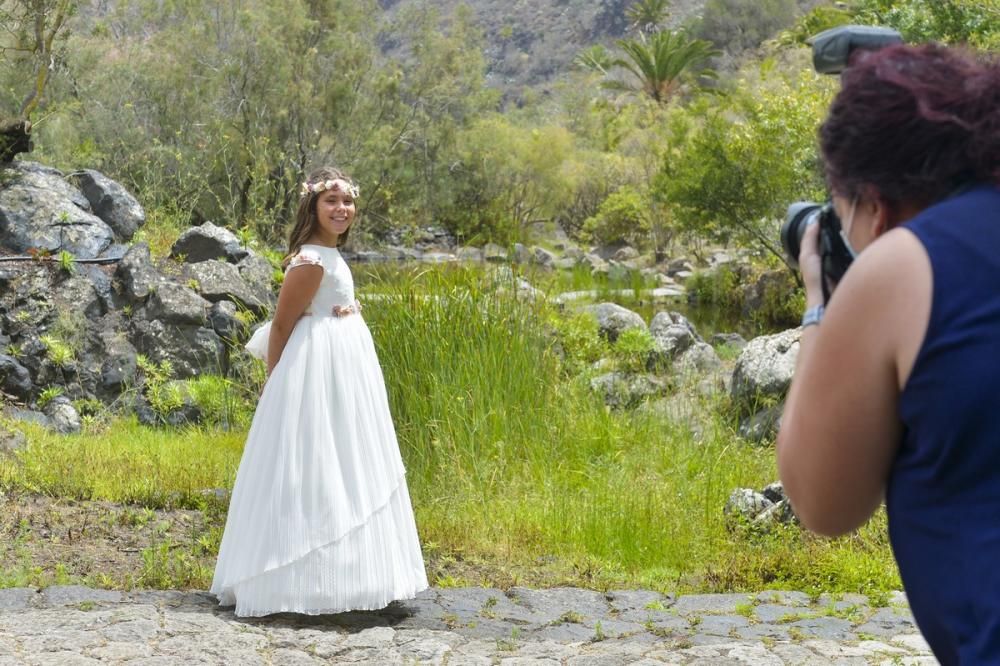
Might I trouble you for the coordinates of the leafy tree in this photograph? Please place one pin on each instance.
(31, 32)
(660, 63)
(623, 216)
(734, 168)
(509, 177)
(976, 22)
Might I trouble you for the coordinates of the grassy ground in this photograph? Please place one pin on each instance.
(519, 474)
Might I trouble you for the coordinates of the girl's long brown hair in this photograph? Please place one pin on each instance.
(305, 216)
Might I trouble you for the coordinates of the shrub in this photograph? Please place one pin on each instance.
(623, 217)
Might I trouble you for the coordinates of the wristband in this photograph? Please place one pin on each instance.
(812, 316)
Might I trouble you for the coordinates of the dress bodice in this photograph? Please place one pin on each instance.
(337, 286)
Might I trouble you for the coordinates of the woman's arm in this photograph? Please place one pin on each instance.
(840, 428)
(297, 291)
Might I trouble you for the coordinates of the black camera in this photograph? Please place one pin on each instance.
(831, 52)
(833, 251)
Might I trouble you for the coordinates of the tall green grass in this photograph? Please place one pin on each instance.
(510, 461)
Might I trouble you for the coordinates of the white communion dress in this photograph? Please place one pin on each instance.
(320, 519)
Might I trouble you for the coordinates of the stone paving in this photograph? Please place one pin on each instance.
(461, 627)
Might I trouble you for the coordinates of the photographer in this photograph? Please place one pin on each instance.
(896, 392)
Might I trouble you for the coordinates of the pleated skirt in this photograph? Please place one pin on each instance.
(320, 519)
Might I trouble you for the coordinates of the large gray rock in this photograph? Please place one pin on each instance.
(62, 415)
(542, 257)
(672, 335)
(594, 263)
(112, 203)
(698, 358)
(192, 350)
(771, 286)
(624, 390)
(14, 378)
(469, 253)
(208, 242)
(764, 369)
(521, 254)
(39, 209)
(744, 505)
(258, 273)
(225, 323)
(218, 281)
(174, 304)
(77, 297)
(613, 319)
(118, 369)
(494, 253)
(137, 274)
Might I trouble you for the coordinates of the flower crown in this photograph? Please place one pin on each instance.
(321, 185)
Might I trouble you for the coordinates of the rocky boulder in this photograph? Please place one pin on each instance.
(764, 369)
(672, 335)
(758, 509)
(219, 281)
(624, 390)
(208, 242)
(14, 378)
(137, 274)
(613, 319)
(40, 210)
(112, 203)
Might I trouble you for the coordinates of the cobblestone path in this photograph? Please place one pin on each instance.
(461, 627)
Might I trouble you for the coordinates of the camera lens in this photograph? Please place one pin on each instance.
(799, 216)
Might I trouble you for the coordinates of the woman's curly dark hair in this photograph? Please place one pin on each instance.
(914, 122)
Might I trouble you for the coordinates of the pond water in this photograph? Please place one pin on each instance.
(707, 320)
(629, 293)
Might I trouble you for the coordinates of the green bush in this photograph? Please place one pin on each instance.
(622, 218)
(632, 349)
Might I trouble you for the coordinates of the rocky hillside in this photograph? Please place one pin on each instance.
(530, 42)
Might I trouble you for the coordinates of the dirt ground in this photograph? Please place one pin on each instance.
(48, 540)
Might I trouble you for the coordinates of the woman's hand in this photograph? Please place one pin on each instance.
(811, 265)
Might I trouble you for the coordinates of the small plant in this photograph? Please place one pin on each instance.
(487, 609)
(570, 617)
(632, 349)
(598, 633)
(88, 406)
(48, 395)
(22, 317)
(194, 285)
(67, 262)
(60, 353)
(15, 350)
(509, 644)
(246, 236)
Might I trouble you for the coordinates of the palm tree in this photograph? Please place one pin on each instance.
(646, 15)
(596, 59)
(661, 62)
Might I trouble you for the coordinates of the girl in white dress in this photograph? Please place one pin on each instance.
(320, 518)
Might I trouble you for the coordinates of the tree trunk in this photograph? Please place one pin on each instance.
(15, 137)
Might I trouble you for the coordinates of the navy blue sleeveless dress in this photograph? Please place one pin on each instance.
(943, 496)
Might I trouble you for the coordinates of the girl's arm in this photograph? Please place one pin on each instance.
(297, 291)
(840, 428)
